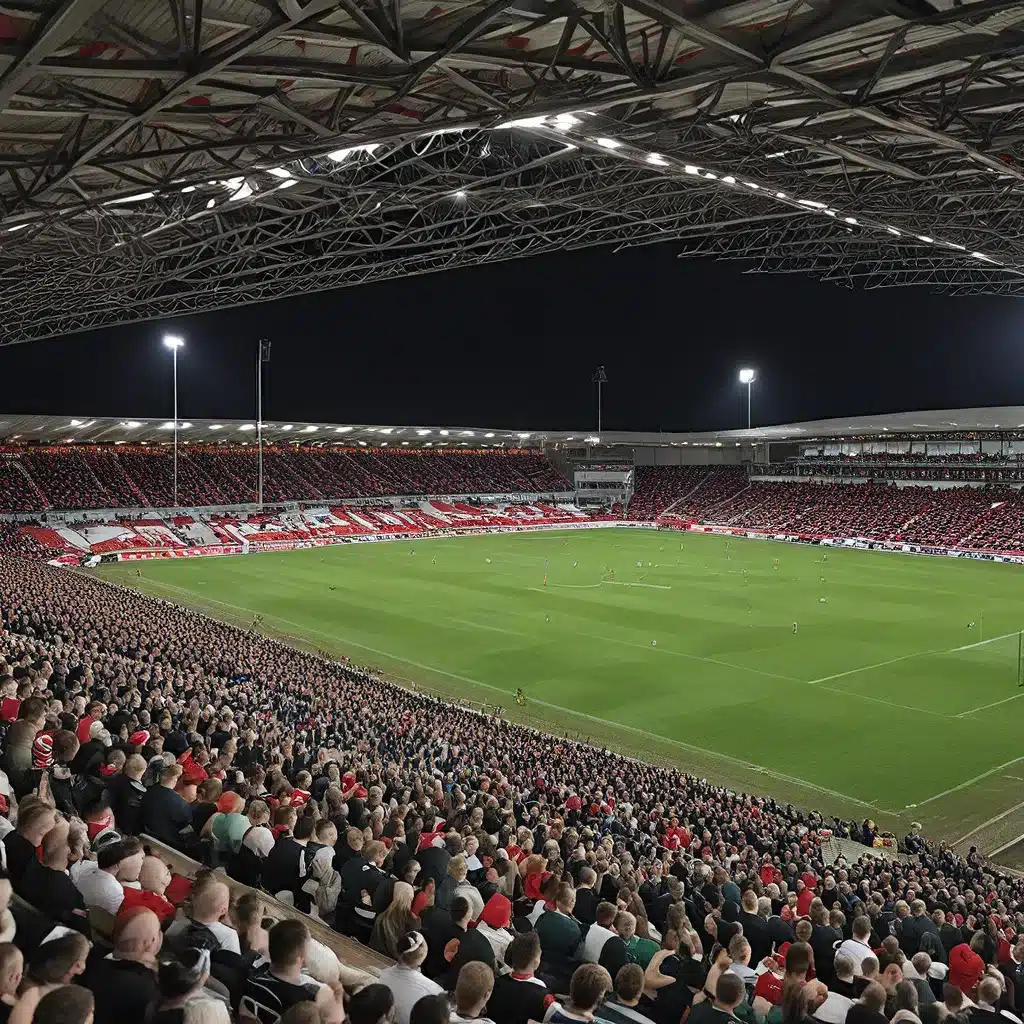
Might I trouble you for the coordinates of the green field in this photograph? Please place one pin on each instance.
(884, 703)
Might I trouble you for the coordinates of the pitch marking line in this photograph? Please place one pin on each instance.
(623, 583)
(994, 704)
(985, 824)
(715, 754)
(967, 782)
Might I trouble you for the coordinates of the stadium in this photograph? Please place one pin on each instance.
(413, 721)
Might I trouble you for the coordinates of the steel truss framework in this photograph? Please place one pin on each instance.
(165, 157)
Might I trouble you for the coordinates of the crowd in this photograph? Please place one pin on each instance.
(76, 478)
(511, 876)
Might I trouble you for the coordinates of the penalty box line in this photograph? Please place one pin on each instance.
(692, 747)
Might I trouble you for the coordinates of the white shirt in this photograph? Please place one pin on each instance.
(227, 938)
(99, 888)
(834, 1009)
(260, 840)
(597, 936)
(857, 951)
(407, 985)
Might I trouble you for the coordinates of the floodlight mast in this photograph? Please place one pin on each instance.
(748, 376)
(599, 378)
(174, 342)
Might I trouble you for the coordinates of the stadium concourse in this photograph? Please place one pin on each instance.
(385, 856)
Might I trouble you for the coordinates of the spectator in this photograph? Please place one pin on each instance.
(405, 979)
(472, 992)
(858, 946)
(165, 814)
(615, 952)
(622, 1006)
(206, 928)
(12, 964)
(125, 792)
(755, 927)
(99, 881)
(396, 922)
(494, 925)
(372, 1004)
(35, 819)
(278, 983)
(966, 965)
(986, 1005)
(590, 984)
(560, 935)
(125, 983)
(154, 878)
(868, 1009)
(46, 885)
(599, 932)
(521, 996)
(68, 1004)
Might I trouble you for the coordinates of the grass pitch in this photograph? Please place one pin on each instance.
(883, 702)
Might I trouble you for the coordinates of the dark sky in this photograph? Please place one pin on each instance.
(514, 345)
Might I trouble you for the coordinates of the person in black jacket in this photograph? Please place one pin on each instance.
(46, 885)
(520, 996)
(585, 910)
(755, 927)
(165, 814)
(125, 983)
(124, 794)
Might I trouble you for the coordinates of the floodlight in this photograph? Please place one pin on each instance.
(747, 376)
(174, 341)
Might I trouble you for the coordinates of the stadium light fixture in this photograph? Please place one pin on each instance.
(247, 426)
(175, 342)
(287, 426)
(443, 433)
(310, 429)
(342, 430)
(488, 435)
(77, 423)
(522, 437)
(460, 195)
(131, 424)
(608, 143)
(216, 426)
(423, 432)
(657, 160)
(747, 376)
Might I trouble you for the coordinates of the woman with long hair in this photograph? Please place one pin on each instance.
(395, 922)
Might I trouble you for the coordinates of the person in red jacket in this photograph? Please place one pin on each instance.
(966, 965)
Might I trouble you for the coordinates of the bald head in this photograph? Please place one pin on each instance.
(154, 875)
(138, 937)
(211, 903)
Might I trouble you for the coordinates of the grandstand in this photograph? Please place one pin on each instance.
(248, 709)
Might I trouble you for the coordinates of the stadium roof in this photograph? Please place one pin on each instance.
(105, 430)
(163, 157)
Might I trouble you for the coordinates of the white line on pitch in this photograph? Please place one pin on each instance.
(622, 583)
(981, 643)
(994, 704)
(985, 824)
(968, 782)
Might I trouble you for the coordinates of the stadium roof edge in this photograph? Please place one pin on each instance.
(107, 430)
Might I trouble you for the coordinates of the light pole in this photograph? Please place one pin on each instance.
(747, 376)
(174, 342)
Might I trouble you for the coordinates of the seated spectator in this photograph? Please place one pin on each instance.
(125, 983)
(472, 992)
(468, 945)
(494, 925)
(406, 981)
(12, 965)
(560, 936)
(56, 961)
(246, 865)
(46, 885)
(208, 794)
(100, 881)
(868, 1009)
(18, 742)
(182, 981)
(154, 878)
(520, 996)
(858, 946)
(279, 982)
(372, 1004)
(431, 1010)
(68, 1004)
(228, 825)
(730, 992)
(587, 901)
(622, 1006)
(391, 927)
(615, 952)
(165, 814)
(840, 994)
(986, 1003)
(589, 985)
(966, 965)
(125, 792)
(35, 819)
(206, 928)
(599, 932)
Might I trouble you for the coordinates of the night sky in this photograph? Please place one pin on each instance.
(515, 344)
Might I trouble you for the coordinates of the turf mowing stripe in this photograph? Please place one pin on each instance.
(705, 751)
(986, 824)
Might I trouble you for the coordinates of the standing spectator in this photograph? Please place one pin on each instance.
(46, 885)
(279, 983)
(35, 819)
(165, 814)
(520, 996)
(966, 965)
(599, 932)
(560, 935)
